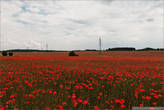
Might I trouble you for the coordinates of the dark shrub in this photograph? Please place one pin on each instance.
(72, 53)
(4, 53)
(10, 53)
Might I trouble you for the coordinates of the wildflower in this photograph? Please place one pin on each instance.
(131, 84)
(100, 93)
(142, 90)
(107, 102)
(1, 95)
(85, 102)
(73, 96)
(79, 100)
(47, 108)
(122, 106)
(151, 89)
(61, 107)
(61, 86)
(98, 97)
(25, 95)
(13, 100)
(159, 95)
(152, 94)
(147, 98)
(77, 87)
(54, 93)
(50, 91)
(8, 102)
(90, 88)
(121, 101)
(154, 103)
(3, 108)
(112, 106)
(67, 87)
(64, 103)
(29, 84)
(12, 96)
(96, 108)
(153, 84)
(75, 103)
(156, 96)
(141, 105)
(69, 96)
(5, 88)
(31, 95)
(44, 91)
(27, 102)
(117, 101)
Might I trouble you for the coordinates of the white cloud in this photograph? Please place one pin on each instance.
(78, 24)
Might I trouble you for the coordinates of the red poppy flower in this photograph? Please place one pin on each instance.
(122, 106)
(96, 108)
(85, 102)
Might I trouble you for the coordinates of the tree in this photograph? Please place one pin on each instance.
(10, 53)
(72, 53)
(4, 53)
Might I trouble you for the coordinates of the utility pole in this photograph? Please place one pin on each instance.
(47, 46)
(41, 45)
(100, 45)
(0, 42)
(0, 29)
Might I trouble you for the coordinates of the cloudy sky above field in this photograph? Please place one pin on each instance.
(70, 24)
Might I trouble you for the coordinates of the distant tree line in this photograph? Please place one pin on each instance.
(29, 50)
(5, 53)
(109, 49)
(128, 49)
(72, 53)
(151, 49)
(121, 49)
(133, 49)
(90, 50)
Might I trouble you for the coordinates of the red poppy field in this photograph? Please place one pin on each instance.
(81, 83)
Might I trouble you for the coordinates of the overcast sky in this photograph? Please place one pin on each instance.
(69, 24)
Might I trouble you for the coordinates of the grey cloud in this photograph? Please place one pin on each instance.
(24, 22)
(106, 1)
(15, 15)
(32, 44)
(25, 9)
(150, 20)
(77, 25)
(80, 21)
